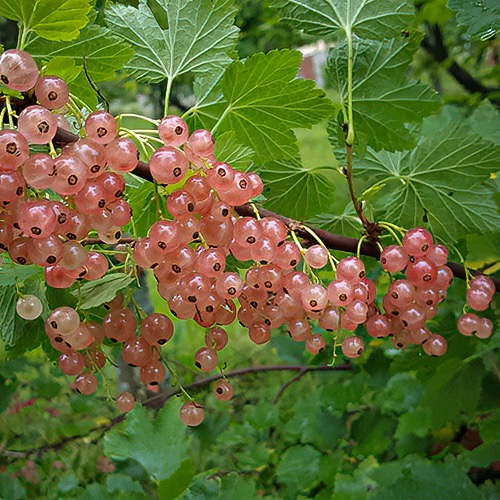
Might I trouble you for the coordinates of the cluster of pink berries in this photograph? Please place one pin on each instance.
(188, 253)
(479, 295)
(86, 175)
(411, 302)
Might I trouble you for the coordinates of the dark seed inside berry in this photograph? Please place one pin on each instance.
(11, 148)
(342, 297)
(178, 130)
(53, 324)
(95, 168)
(50, 259)
(219, 390)
(4, 79)
(176, 268)
(231, 290)
(192, 298)
(250, 240)
(36, 230)
(52, 96)
(177, 171)
(162, 341)
(72, 180)
(21, 260)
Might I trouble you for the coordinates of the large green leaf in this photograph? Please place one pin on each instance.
(49, 19)
(440, 183)
(372, 19)
(159, 445)
(264, 101)
(200, 37)
(481, 18)
(295, 191)
(384, 99)
(104, 53)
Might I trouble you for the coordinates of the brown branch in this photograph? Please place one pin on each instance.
(159, 400)
(434, 44)
(287, 384)
(332, 241)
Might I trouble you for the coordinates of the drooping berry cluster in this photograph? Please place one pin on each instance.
(189, 250)
(86, 176)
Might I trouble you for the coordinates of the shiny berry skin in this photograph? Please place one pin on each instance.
(417, 242)
(125, 402)
(173, 131)
(192, 414)
(52, 92)
(18, 70)
(223, 390)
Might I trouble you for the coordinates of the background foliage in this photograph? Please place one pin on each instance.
(398, 424)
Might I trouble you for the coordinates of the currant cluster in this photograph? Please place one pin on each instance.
(190, 250)
(86, 176)
(411, 301)
(479, 295)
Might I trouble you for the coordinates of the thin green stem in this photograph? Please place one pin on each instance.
(360, 242)
(350, 133)
(10, 112)
(221, 119)
(2, 114)
(167, 95)
(141, 117)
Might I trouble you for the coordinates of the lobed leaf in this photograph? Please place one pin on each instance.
(103, 52)
(440, 183)
(200, 37)
(59, 20)
(371, 19)
(139, 434)
(384, 100)
(295, 191)
(263, 101)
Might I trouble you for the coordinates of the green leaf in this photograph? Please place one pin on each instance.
(95, 293)
(159, 444)
(482, 456)
(50, 19)
(481, 18)
(104, 53)
(345, 222)
(228, 150)
(295, 191)
(372, 19)
(177, 483)
(264, 101)
(384, 100)
(200, 37)
(483, 251)
(416, 421)
(454, 388)
(372, 432)
(116, 483)
(143, 203)
(440, 183)
(299, 468)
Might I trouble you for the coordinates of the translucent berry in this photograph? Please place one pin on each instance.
(417, 242)
(435, 345)
(86, 383)
(223, 390)
(125, 402)
(29, 307)
(192, 414)
(393, 259)
(101, 127)
(316, 256)
(206, 359)
(37, 124)
(352, 347)
(18, 70)
(173, 130)
(52, 92)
